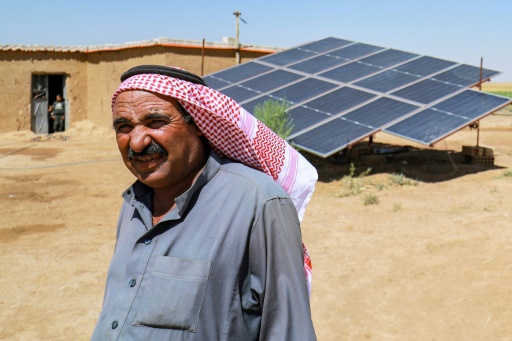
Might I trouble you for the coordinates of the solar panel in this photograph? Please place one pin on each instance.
(342, 91)
(331, 137)
(287, 57)
(354, 51)
(250, 105)
(380, 112)
(424, 66)
(388, 58)
(339, 100)
(325, 45)
(427, 126)
(387, 81)
(433, 124)
(350, 72)
(241, 72)
(464, 75)
(215, 83)
(426, 91)
(303, 90)
(271, 80)
(471, 104)
(317, 64)
(303, 118)
(238, 93)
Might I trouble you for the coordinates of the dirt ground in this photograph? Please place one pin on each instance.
(429, 260)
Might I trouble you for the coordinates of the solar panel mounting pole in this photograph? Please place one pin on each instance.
(237, 43)
(202, 59)
(479, 87)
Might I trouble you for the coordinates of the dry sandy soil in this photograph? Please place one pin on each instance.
(432, 260)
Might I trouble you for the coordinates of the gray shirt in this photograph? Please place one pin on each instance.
(225, 264)
(58, 108)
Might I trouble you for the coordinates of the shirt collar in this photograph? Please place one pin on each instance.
(140, 194)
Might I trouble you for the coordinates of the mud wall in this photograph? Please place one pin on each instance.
(16, 69)
(92, 77)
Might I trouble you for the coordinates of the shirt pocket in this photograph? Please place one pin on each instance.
(174, 294)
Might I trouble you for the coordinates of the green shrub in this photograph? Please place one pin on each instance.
(353, 185)
(275, 115)
(371, 199)
(402, 180)
(507, 173)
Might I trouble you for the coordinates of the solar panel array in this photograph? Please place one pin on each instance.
(341, 92)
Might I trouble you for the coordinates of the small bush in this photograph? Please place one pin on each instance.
(380, 186)
(353, 185)
(402, 180)
(507, 173)
(275, 115)
(371, 199)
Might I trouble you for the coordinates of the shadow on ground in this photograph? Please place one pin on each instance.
(426, 165)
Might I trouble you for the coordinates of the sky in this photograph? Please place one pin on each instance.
(461, 31)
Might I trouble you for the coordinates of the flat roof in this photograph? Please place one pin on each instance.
(183, 43)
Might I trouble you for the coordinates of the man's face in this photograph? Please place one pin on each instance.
(141, 118)
(58, 98)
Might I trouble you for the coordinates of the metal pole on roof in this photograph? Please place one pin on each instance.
(237, 43)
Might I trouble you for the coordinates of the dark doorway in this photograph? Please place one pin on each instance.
(45, 89)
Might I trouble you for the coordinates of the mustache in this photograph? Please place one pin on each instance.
(153, 148)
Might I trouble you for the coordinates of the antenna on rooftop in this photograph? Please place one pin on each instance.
(237, 43)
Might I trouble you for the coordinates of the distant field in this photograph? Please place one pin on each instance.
(503, 89)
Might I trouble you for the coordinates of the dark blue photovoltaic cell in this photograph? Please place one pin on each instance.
(303, 118)
(241, 72)
(303, 90)
(215, 83)
(388, 58)
(249, 106)
(464, 75)
(239, 94)
(471, 104)
(424, 66)
(426, 91)
(380, 112)
(331, 136)
(355, 51)
(387, 81)
(427, 126)
(339, 100)
(325, 44)
(317, 64)
(348, 73)
(287, 57)
(271, 80)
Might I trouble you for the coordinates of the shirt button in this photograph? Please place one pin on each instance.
(147, 241)
(128, 192)
(114, 324)
(132, 282)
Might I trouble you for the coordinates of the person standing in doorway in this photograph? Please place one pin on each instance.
(57, 111)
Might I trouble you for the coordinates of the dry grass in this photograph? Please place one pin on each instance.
(501, 87)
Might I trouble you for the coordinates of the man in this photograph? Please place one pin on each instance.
(207, 247)
(57, 113)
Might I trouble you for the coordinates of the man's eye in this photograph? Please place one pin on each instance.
(156, 124)
(124, 128)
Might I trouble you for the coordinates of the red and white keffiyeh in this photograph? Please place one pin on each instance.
(236, 134)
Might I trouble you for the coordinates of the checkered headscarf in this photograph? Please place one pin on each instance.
(236, 134)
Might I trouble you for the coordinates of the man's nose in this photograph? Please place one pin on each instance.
(139, 139)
